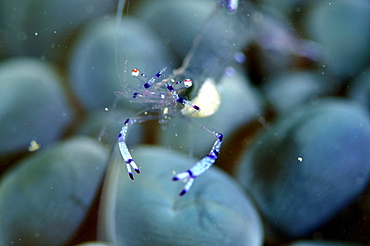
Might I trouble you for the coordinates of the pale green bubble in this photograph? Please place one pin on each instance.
(149, 210)
(33, 105)
(46, 197)
(309, 165)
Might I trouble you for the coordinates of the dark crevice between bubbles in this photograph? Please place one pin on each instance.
(238, 143)
(88, 228)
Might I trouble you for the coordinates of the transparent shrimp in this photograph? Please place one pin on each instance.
(161, 95)
(205, 63)
(202, 68)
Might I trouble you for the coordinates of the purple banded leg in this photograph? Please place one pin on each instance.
(181, 100)
(151, 81)
(201, 166)
(124, 150)
(188, 105)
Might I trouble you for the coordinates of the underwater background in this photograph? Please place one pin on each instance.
(294, 84)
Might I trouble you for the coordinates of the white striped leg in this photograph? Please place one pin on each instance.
(183, 101)
(201, 166)
(124, 150)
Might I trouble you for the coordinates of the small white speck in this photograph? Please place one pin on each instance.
(36, 33)
(300, 159)
(165, 111)
(33, 146)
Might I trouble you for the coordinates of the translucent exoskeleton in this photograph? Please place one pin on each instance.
(161, 96)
